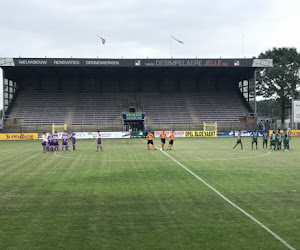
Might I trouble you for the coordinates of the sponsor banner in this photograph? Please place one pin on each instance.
(248, 133)
(176, 133)
(293, 132)
(93, 62)
(225, 134)
(93, 135)
(296, 110)
(18, 136)
(200, 133)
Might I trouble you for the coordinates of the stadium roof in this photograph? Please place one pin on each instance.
(145, 63)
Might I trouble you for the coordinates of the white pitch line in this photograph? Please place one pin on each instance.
(231, 203)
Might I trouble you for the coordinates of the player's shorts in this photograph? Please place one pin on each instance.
(44, 143)
(265, 141)
(171, 142)
(286, 142)
(65, 143)
(99, 141)
(150, 142)
(239, 141)
(272, 143)
(254, 140)
(50, 143)
(163, 141)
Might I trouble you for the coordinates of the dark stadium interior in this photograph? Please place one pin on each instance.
(39, 79)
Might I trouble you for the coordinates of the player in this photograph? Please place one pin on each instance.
(163, 140)
(273, 140)
(45, 142)
(171, 140)
(150, 140)
(73, 140)
(50, 142)
(99, 141)
(254, 138)
(286, 140)
(55, 142)
(239, 140)
(65, 137)
(279, 140)
(265, 138)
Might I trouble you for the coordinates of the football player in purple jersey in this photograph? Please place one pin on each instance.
(50, 142)
(65, 137)
(55, 142)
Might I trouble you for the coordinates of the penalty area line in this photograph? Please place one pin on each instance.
(231, 203)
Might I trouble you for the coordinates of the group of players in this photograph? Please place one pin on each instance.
(50, 141)
(277, 138)
(163, 136)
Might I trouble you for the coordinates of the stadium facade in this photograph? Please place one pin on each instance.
(122, 94)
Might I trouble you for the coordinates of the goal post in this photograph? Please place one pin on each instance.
(59, 127)
(212, 127)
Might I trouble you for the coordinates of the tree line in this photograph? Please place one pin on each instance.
(278, 84)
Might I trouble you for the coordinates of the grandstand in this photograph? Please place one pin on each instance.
(90, 94)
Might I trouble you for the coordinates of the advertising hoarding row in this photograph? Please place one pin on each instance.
(120, 135)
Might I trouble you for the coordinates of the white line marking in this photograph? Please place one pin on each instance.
(231, 203)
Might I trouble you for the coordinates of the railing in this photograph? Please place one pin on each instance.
(259, 122)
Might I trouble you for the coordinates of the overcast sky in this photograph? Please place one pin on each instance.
(137, 29)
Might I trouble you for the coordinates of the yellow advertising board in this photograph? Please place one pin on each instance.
(292, 132)
(200, 133)
(18, 136)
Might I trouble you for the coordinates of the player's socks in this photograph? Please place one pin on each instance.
(67, 148)
(73, 146)
(101, 148)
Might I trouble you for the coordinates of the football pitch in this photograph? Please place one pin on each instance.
(200, 195)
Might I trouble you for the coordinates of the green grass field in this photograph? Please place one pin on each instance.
(130, 198)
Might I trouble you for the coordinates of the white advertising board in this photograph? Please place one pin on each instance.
(296, 110)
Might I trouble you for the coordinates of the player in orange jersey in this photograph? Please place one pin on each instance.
(150, 140)
(171, 140)
(163, 139)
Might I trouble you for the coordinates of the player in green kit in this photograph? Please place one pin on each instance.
(254, 138)
(265, 139)
(239, 140)
(273, 140)
(279, 140)
(286, 140)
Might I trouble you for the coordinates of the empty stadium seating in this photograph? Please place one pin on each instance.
(96, 108)
(35, 108)
(166, 108)
(221, 107)
(105, 108)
